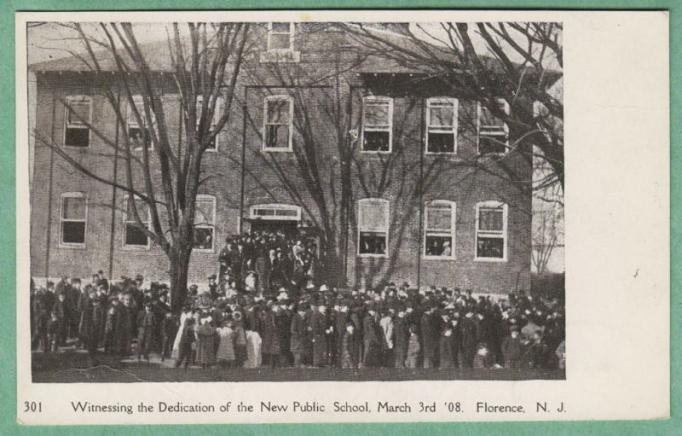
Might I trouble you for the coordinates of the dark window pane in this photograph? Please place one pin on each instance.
(280, 42)
(438, 246)
(441, 143)
(77, 137)
(375, 141)
(277, 137)
(73, 232)
(79, 113)
(135, 236)
(138, 136)
(491, 219)
(372, 243)
(488, 144)
(490, 247)
(203, 238)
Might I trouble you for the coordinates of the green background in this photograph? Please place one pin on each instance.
(8, 424)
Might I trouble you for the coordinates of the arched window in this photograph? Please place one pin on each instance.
(491, 231)
(377, 124)
(373, 222)
(439, 229)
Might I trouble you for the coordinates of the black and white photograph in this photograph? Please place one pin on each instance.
(296, 201)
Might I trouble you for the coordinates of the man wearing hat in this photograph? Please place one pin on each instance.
(212, 286)
(372, 337)
(298, 334)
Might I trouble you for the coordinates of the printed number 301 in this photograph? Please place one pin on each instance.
(33, 406)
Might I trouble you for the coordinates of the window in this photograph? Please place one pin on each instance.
(439, 234)
(493, 133)
(213, 145)
(134, 236)
(78, 115)
(373, 227)
(491, 231)
(377, 124)
(278, 115)
(441, 125)
(74, 215)
(138, 135)
(204, 223)
(281, 36)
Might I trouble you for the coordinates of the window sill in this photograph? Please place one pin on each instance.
(136, 248)
(72, 246)
(441, 258)
(280, 56)
(374, 153)
(490, 259)
(277, 150)
(203, 250)
(76, 147)
(373, 256)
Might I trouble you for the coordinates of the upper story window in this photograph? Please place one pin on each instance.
(213, 145)
(281, 36)
(138, 135)
(439, 229)
(204, 223)
(134, 236)
(78, 117)
(277, 123)
(377, 124)
(373, 222)
(441, 125)
(493, 133)
(73, 219)
(491, 231)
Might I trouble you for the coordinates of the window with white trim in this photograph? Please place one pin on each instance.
(281, 36)
(373, 227)
(213, 145)
(134, 236)
(491, 231)
(493, 133)
(204, 223)
(439, 229)
(73, 219)
(138, 135)
(377, 124)
(77, 118)
(277, 123)
(441, 125)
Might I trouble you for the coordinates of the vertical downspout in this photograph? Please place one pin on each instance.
(49, 189)
(113, 198)
(243, 162)
(422, 115)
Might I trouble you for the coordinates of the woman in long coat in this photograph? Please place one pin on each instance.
(226, 336)
(205, 344)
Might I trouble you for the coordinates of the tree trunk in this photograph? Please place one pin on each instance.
(179, 272)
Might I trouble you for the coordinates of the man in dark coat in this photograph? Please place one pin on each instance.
(146, 323)
(270, 336)
(319, 326)
(469, 334)
(512, 349)
(339, 320)
(59, 309)
(372, 338)
(430, 336)
(283, 321)
(298, 333)
(96, 326)
(401, 337)
(85, 310)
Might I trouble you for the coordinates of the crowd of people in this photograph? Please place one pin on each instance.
(265, 308)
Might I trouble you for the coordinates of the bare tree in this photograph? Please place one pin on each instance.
(163, 181)
(517, 63)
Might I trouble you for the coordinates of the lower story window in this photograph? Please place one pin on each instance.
(135, 236)
(204, 223)
(440, 229)
(491, 231)
(73, 219)
(373, 227)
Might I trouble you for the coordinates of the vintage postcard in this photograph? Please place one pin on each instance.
(335, 216)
